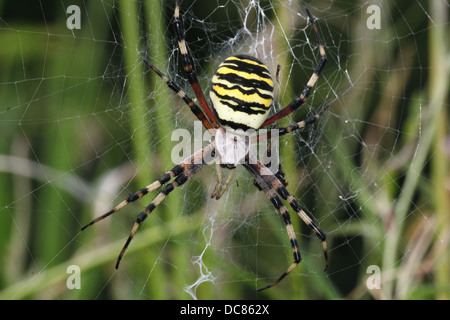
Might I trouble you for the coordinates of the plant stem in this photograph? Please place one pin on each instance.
(98, 256)
(432, 114)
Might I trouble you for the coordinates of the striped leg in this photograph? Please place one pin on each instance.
(181, 179)
(273, 181)
(304, 123)
(195, 158)
(295, 126)
(192, 77)
(175, 172)
(294, 105)
(276, 201)
(194, 108)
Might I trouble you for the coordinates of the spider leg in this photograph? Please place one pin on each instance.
(221, 186)
(295, 126)
(295, 104)
(176, 171)
(276, 201)
(225, 184)
(269, 183)
(219, 180)
(192, 77)
(180, 180)
(182, 172)
(172, 85)
(303, 123)
(196, 157)
(272, 180)
(266, 160)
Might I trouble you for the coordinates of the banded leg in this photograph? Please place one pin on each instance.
(303, 123)
(279, 187)
(195, 158)
(266, 161)
(293, 127)
(192, 77)
(175, 172)
(294, 105)
(194, 108)
(276, 201)
(180, 180)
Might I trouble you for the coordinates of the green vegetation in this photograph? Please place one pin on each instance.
(83, 123)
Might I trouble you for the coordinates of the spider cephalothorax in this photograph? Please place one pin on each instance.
(241, 94)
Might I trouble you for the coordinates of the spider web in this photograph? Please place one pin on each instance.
(85, 123)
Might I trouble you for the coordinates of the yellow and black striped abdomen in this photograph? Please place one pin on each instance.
(241, 93)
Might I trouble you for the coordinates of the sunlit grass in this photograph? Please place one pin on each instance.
(84, 122)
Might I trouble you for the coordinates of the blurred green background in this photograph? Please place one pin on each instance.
(83, 123)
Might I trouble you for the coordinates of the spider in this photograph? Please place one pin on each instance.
(241, 95)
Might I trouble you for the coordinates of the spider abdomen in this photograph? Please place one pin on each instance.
(241, 93)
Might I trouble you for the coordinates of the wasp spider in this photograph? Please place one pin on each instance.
(241, 95)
